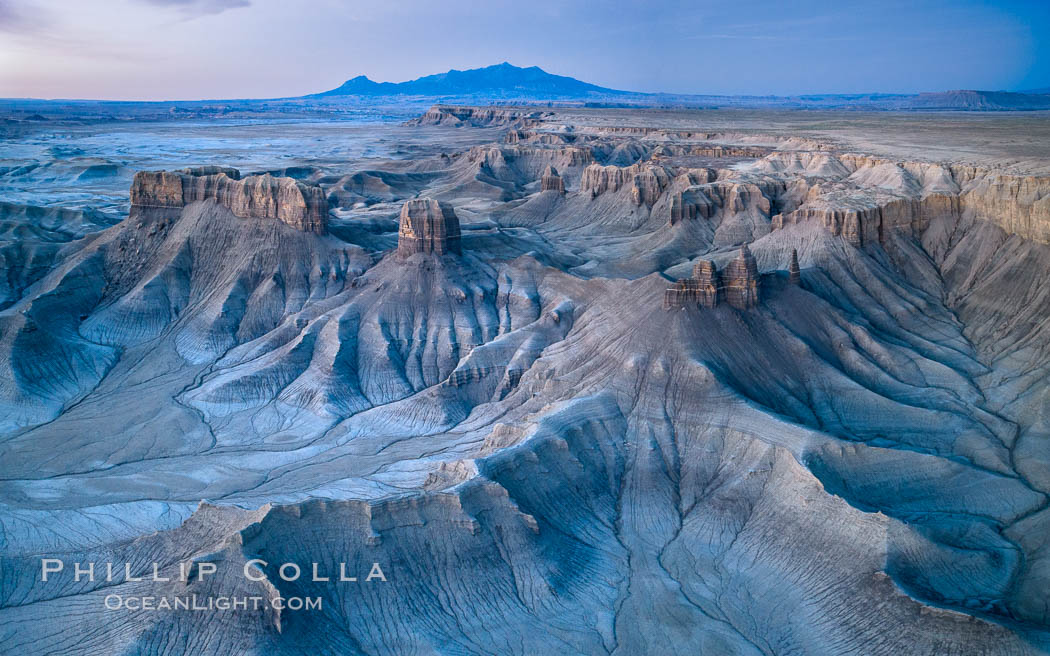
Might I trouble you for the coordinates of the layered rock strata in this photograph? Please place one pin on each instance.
(862, 198)
(428, 226)
(551, 181)
(647, 181)
(530, 136)
(738, 285)
(741, 280)
(868, 225)
(706, 150)
(499, 157)
(704, 288)
(508, 165)
(303, 207)
(448, 115)
(681, 210)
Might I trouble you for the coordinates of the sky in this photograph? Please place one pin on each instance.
(209, 49)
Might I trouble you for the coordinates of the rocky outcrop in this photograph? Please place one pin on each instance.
(849, 223)
(690, 204)
(513, 162)
(704, 288)
(761, 142)
(598, 179)
(551, 181)
(647, 181)
(713, 151)
(794, 273)
(428, 226)
(303, 207)
(708, 283)
(741, 280)
(1019, 205)
(648, 184)
(870, 224)
(862, 197)
(745, 196)
(454, 116)
(531, 136)
(682, 294)
(680, 209)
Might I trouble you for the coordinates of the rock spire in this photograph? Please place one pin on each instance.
(794, 273)
(741, 280)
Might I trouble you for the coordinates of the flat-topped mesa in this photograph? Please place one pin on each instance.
(794, 272)
(741, 280)
(428, 226)
(703, 289)
(303, 207)
(551, 181)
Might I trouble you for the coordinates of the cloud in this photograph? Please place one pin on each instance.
(195, 8)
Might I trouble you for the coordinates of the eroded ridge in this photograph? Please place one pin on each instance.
(303, 207)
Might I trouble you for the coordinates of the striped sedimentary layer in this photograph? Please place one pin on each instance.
(300, 206)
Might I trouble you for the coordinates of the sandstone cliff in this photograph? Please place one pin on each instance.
(861, 197)
(428, 226)
(707, 288)
(523, 159)
(646, 180)
(551, 181)
(741, 280)
(300, 206)
(533, 137)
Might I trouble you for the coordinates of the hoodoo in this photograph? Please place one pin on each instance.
(738, 285)
(794, 273)
(704, 288)
(742, 280)
(428, 226)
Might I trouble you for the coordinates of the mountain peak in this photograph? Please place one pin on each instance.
(503, 80)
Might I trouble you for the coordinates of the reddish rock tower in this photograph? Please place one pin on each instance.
(741, 280)
(428, 226)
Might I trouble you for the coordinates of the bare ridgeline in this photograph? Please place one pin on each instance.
(454, 363)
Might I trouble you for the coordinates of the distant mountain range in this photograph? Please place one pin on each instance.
(501, 80)
(506, 82)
